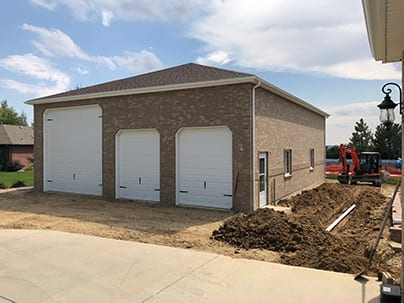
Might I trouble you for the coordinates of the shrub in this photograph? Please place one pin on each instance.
(18, 184)
(3, 186)
(14, 166)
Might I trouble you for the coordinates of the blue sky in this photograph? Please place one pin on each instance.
(315, 49)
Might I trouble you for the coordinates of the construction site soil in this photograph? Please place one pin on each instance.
(300, 236)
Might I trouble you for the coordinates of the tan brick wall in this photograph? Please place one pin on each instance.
(168, 112)
(281, 125)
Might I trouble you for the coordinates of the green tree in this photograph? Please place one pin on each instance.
(332, 152)
(387, 141)
(8, 115)
(362, 137)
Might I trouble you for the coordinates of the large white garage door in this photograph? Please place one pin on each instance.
(138, 165)
(204, 167)
(73, 150)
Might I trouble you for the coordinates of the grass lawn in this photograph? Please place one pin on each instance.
(9, 178)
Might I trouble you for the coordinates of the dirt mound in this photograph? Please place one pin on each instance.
(264, 228)
(301, 236)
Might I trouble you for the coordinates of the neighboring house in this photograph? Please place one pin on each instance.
(189, 135)
(16, 144)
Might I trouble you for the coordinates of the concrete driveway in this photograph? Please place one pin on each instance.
(49, 266)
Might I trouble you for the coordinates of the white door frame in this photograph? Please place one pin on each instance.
(263, 179)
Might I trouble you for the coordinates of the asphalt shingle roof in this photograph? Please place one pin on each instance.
(16, 135)
(182, 74)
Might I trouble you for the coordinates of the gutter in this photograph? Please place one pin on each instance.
(253, 142)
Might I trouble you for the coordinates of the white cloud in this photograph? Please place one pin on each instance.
(362, 69)
(327, 37)
(106, 17)
(218, 57)
(340, 124)
(106, 10)
(48, 4)
(51, 79)
(81, 71)
(140, 62)
(55, 43)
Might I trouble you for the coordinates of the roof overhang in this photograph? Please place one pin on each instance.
(385, 26)
(165, 88)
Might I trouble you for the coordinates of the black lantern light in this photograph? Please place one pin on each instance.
(387, 106)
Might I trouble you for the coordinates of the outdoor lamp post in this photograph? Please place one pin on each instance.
(387, 106)
(387, 118)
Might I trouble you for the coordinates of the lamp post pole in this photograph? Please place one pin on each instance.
(387, 118)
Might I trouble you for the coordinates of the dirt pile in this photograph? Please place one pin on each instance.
(301, 238)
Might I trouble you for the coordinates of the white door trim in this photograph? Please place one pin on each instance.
(263, 194)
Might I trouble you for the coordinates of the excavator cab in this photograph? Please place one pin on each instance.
(369, 163)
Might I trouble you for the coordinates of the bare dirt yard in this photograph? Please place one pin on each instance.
(298, 238)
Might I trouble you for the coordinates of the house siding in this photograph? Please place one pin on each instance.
(167, 112)
(281, 124)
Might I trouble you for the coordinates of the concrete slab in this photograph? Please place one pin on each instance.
(53, 267)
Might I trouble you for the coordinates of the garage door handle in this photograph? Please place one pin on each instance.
(227, 195)
(122, 186)
(157, 189)
(184, 191)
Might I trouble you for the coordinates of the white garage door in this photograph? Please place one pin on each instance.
(138, 165)
(73, 150)
(204, 167)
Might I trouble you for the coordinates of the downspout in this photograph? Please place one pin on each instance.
(253, 142)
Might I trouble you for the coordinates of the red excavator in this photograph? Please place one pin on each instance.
(364, 167)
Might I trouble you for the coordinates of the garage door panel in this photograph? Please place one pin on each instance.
(73, 150)
(138, 165)
(204, 167)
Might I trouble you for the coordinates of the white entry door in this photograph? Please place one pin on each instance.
(138, 164)
(204, 167)
(263, 177)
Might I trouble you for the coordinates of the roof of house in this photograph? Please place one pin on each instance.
(385, 27)
(16, 135)
(185, 76)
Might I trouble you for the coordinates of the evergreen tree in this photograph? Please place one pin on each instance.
(8, 115)
(332, 152)
(387, 141)
(362, 137)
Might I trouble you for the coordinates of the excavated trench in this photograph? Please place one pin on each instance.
(300, 236)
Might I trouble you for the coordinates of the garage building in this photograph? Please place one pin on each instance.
(190, 135)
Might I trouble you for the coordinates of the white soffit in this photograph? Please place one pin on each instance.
(385, 26)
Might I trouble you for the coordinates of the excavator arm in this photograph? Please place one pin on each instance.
(343, 151)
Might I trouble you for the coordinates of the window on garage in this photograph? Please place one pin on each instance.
(287, 155)
(311, 159)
